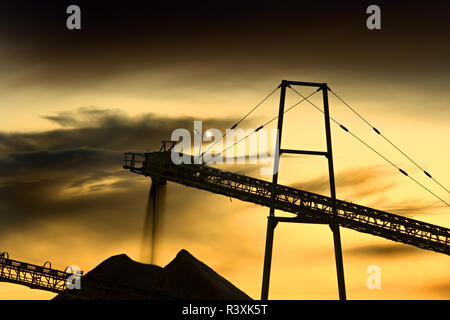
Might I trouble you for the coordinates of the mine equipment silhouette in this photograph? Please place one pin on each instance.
(33, 276)
(306, 207)
(48, 279)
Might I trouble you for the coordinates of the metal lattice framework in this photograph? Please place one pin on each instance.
(33, 276)
(306, 206)
(48, 279)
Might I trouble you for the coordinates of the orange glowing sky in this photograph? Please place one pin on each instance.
(70, 104)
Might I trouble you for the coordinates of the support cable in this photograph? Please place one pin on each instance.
(389, 141)
(242, 119)
(273, 119)
(378, 153)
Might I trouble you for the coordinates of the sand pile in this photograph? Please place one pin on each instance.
(185, 277)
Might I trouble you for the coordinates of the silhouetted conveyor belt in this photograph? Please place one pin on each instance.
(48, 279)
(306, 206)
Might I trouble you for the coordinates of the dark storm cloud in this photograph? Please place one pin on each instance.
(230, 39)
(102, 129)
(33, 187)
(74, 174)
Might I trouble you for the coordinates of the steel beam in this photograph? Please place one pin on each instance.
(270, 222)
(334, 227)
(306, 152)
(298, 202)
(304, 84)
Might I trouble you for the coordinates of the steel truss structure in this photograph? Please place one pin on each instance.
(53, 280)
(33, 276)
(305, 206)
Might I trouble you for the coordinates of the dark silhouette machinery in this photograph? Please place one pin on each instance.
(305, 207)
(49, 279)
(33, 276)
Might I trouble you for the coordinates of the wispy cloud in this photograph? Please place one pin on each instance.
(442, 288)
(357, 183)
(75, 173)
(390, 250)
(412, 208)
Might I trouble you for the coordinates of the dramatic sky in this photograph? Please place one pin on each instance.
(71, 102)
